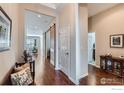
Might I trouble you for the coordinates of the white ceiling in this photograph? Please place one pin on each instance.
(51, 5)
(95, 8)
(36, 23)
(56, 6)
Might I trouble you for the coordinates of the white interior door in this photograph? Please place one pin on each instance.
(90, 49)
(65, 49)
(91, 41)
(44, 47)
(47, 43)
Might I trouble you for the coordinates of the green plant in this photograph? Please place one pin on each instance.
(0, 28)
(35, 46)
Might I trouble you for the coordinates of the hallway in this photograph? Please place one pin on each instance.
(46, 75)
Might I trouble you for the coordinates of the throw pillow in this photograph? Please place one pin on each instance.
(22, 77)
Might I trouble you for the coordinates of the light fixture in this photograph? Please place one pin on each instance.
(39, 16)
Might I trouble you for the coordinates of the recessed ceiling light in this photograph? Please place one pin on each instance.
(39, 16)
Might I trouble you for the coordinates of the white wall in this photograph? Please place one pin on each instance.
(65, 19)
(41, 50)
(82, 43)
(8, 58)
(105, 24)
(43, 42)
(77, 18)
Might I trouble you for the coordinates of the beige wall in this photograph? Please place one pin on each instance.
(8, 58)
(16, 13)
(104, 24)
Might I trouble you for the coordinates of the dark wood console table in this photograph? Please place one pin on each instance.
(114, 65)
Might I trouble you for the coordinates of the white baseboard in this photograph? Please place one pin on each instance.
(76, 82)
(97, 66)
(52, 62)
(62, 69)
(82, 76)
(57, 68)
(92, 64)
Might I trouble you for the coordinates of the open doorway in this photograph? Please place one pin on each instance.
(36, 27)
(50, 43)
(91, 48)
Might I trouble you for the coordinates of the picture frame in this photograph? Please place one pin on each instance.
(5, 31)
(117, 41)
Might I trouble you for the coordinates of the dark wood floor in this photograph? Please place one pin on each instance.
(98, 77)
(50, 76)
(47, 75)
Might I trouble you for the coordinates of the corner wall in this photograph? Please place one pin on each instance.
(82, 42)
(8, 58)
(77, 18)
(105, 24)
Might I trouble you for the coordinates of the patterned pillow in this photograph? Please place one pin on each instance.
(22, 77)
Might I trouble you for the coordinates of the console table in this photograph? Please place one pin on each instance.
(114, 65)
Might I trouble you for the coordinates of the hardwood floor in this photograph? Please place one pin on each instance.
(98, 77)
(47, 75)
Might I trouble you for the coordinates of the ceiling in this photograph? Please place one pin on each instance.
(36, 23)
(56, 6)
(51, 5)
(95, 8)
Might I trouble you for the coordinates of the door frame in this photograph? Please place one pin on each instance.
(94, 64)
(50, 41)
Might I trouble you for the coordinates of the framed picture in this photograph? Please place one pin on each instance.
(5, 31)
(116, 41)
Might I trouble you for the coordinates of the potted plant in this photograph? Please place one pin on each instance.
(35, 50)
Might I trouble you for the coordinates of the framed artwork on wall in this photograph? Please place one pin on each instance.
(5, 31)
(117, 41)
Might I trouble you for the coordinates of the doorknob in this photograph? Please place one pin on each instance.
(67, 53)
